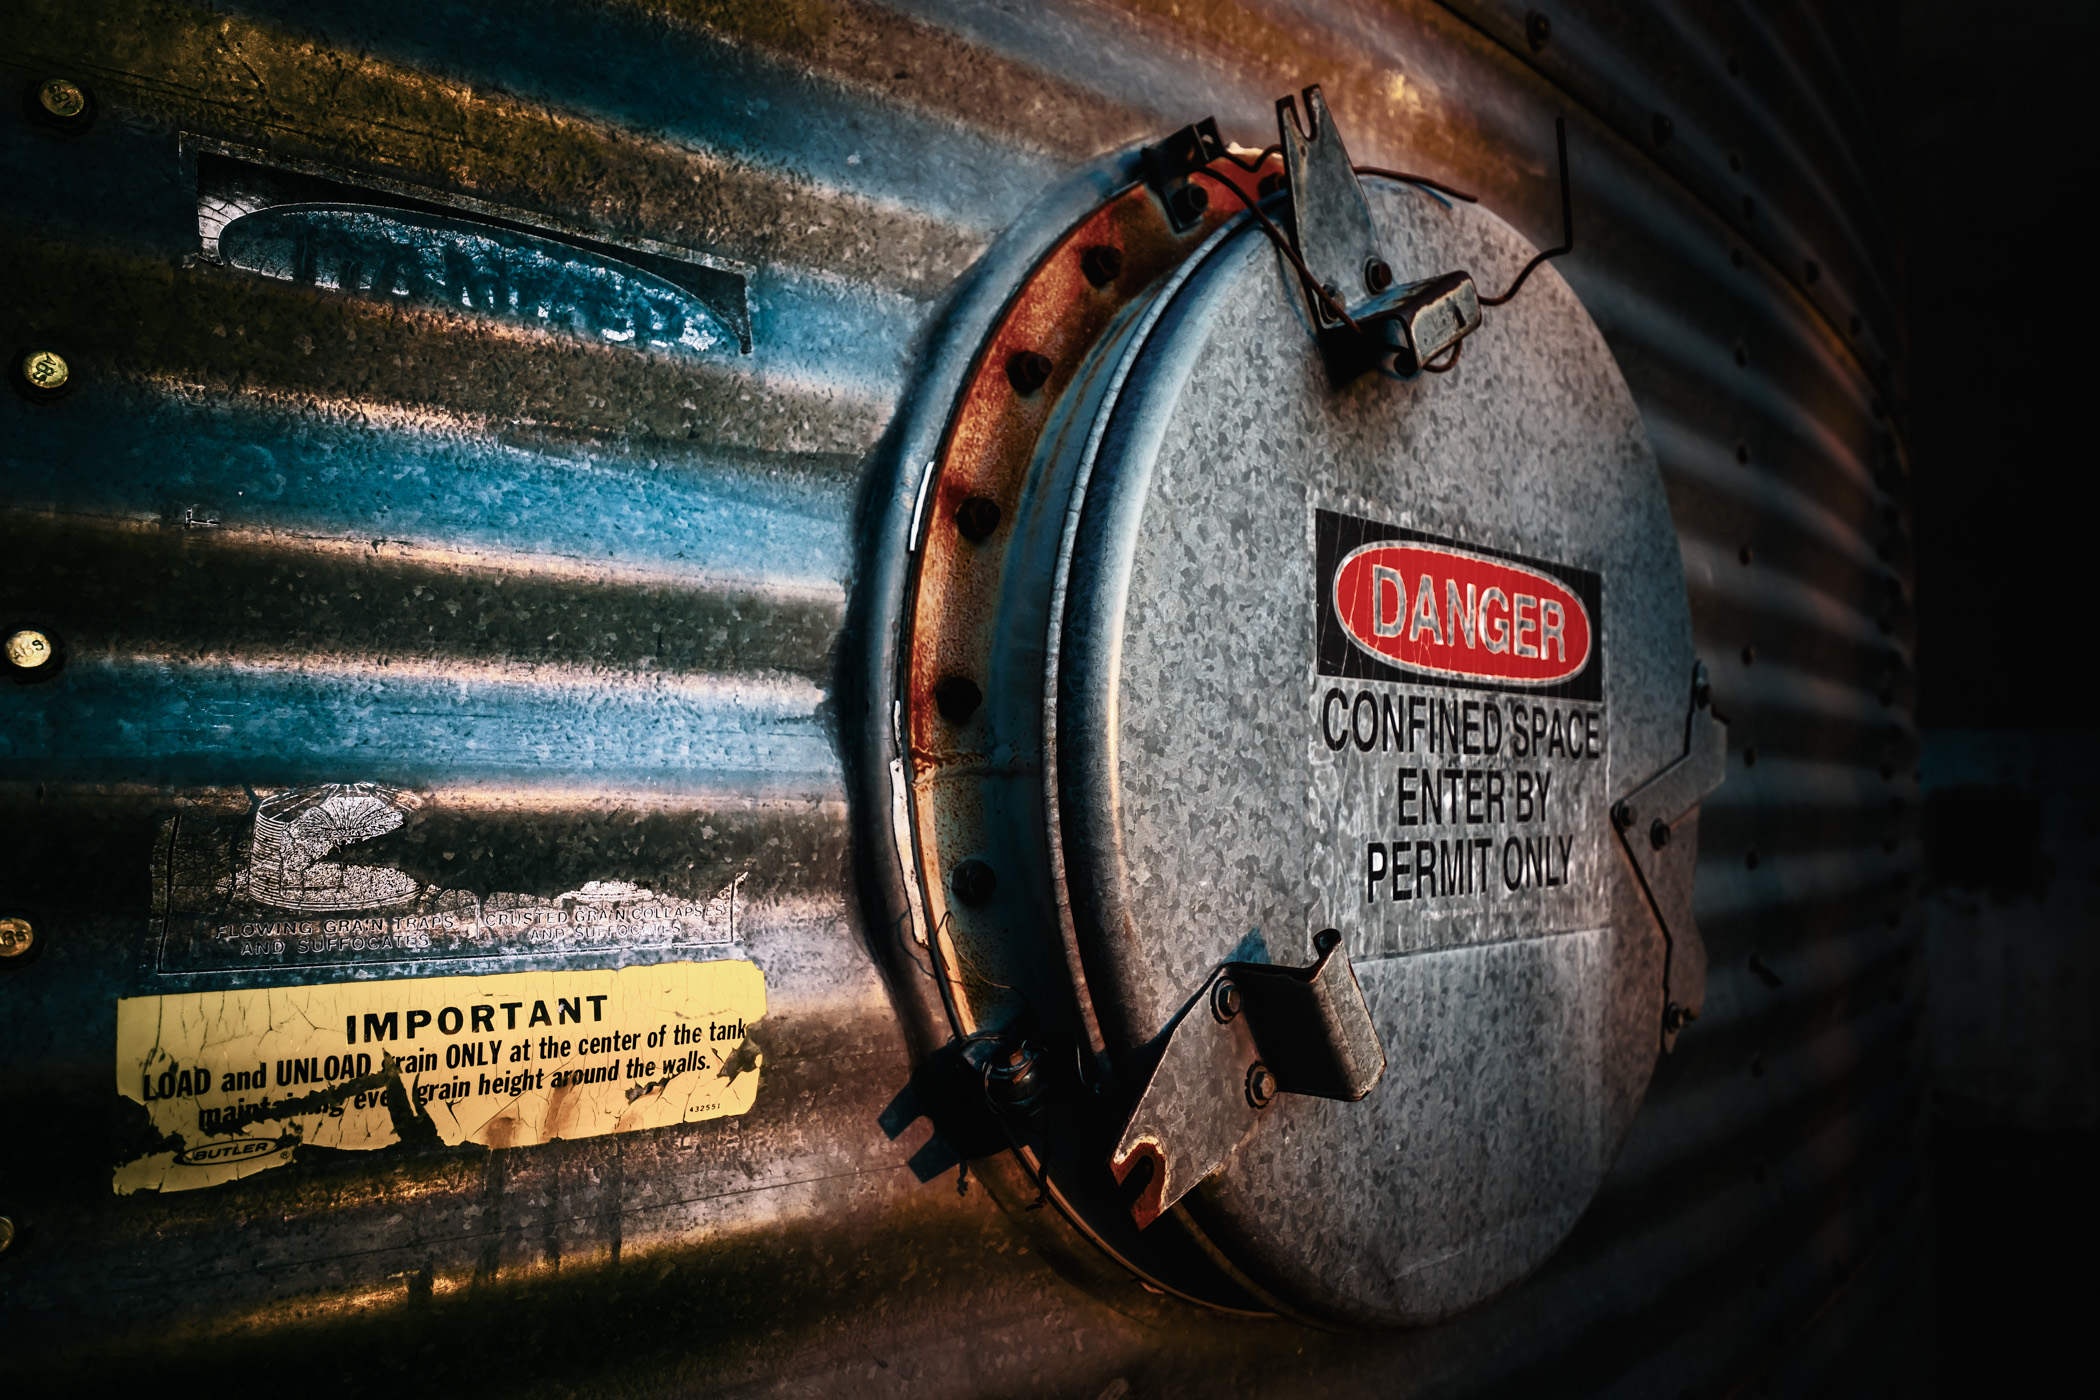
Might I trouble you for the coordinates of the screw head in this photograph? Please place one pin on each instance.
(1538, 30)
(28, 649)
(44, 371)
(61, 98)
(59, 104)
(1621, 815)
(1225, 1000)
(1377, 275)
(1658, 833)
(17, 939)
(1261, 1085)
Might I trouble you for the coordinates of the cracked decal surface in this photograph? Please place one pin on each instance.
(235, 1082)
(306, 879)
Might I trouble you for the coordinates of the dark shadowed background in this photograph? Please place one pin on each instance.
(1999, 168)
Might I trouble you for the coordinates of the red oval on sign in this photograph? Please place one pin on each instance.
(1456, 614)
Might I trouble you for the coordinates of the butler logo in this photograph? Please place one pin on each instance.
(1396, 604)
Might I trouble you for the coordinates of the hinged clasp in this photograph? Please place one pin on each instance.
(1366, 319)
(1658, 825)
(1252, 1032)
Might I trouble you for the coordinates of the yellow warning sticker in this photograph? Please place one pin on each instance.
(235, 1081)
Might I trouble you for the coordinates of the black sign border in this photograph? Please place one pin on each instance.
(1336, 536)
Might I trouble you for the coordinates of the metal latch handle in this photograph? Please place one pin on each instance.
(1253, 1031)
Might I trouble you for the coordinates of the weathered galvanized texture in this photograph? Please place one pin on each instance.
(1206, 820)
(616, 609)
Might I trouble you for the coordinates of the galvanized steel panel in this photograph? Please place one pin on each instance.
(621, 615)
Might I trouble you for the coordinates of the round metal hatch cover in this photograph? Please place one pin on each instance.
(1378, 658)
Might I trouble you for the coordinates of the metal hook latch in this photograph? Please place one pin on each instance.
(1254, 1031)
(1396, 327)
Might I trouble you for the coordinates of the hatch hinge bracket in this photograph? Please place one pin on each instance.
(1396, 327)
(1252, 1031)
(1170, 162)
(1658, 823)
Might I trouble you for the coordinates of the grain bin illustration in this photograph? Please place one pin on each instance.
(296, 832)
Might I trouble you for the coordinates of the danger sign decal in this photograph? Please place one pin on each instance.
(1395, 604)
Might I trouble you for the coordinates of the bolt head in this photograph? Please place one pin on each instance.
(974, 882)
(977, 517)
(1377, 275)
(1018, 1080)
(1538, 30)
(45, 371)
(28, 649)
(17, 938)
(61, 98)
(1658, 833)
(1621, 815)
(7, 1234)
(957, 698)
(1101, 264)
(1261, 1085)
(1189, 203)
(1028, 370)
(1225, 1001)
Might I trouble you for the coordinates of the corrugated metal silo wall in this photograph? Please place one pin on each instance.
(594, 601)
